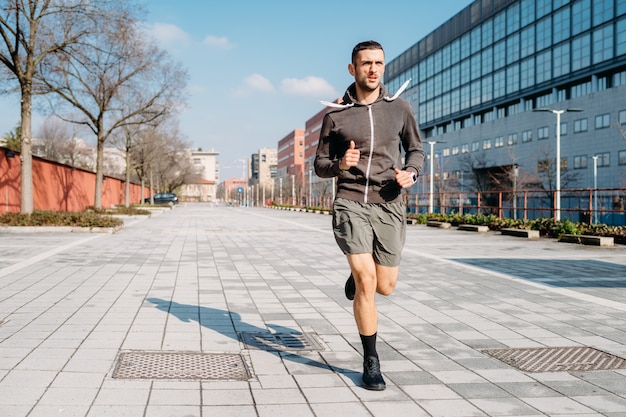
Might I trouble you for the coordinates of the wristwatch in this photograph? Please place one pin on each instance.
(414, 177)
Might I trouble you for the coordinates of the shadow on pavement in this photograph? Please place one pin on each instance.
(230, 324)
(566, 273)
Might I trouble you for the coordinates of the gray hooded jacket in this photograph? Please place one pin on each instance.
(380, 130)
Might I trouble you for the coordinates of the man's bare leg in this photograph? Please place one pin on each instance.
(370, 278)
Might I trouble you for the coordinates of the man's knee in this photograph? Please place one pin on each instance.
(386, 288)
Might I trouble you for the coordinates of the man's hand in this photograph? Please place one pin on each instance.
(350, 158)
(404, 178)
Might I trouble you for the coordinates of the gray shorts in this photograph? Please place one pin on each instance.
(379, 229)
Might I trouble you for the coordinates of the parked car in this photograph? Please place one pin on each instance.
(163, 198)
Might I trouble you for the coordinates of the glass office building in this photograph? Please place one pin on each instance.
(478, 79)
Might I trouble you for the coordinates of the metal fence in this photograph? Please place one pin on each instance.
(602, 205)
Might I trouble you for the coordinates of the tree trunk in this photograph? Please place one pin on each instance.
(127, 191)
(99, 174)
(26, 151)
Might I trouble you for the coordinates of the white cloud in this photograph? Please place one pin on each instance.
(255, 82)
(308, 86)
(220, 42)
(168, 34)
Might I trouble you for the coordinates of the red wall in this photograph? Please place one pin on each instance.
(59, 187)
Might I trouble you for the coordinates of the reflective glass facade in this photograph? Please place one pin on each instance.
(477, 79)
(496, 52)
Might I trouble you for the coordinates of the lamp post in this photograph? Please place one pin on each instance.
(432, 173)
(595, 189)
(293, 190)
(557, 213)
(515, 174)
(308, 201)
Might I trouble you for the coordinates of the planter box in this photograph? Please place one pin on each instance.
(473, 228)
(441, 225)
(530, 234)
(588, 240)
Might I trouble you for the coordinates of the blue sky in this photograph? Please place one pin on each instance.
(258, 69)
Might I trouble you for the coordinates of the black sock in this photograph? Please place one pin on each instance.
(369, 346)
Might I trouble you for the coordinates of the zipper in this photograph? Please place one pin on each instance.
(369, 159)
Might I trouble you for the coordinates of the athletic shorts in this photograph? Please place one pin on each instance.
(379, 229)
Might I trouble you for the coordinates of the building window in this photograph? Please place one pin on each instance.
(602, 11)
(512, 79)
(561, 25)
(543, 133)
(512, 18)
(499, 84)
(580, 125)
(527, 12)
(527, 42)
(563, 129)
(512, 49)
(581, 16)
(603, 121)
(512, 139)
(561, 60)
(544, 33)
(621, 157)
(475, 146)
(543, 166)
(580, 90)
(465, 148)
(486, 144)
(455, 150)
(527, 75)
(580, 162)
(487, 33)
(620, 37)
(527, 136)
(498, 142)
(544, 66)
(581, 52)
(604, 159)
(621, 117)
(499, 55)
(602, 44)
(499, 26)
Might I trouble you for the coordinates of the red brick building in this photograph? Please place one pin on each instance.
(290, 168)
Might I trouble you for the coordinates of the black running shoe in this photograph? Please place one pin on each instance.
(372, 378)
(350, 288)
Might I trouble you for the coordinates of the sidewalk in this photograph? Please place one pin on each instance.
(216, 311)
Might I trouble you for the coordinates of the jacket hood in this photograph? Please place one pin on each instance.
(349, 100)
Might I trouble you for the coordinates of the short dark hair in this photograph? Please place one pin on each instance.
(361, 46)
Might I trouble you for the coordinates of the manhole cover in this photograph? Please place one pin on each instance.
(558, 359)
(181, 365)
(280, 341)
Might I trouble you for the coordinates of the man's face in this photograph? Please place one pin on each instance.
(368, 69)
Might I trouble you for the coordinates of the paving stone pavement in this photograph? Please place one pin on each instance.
(195, 279)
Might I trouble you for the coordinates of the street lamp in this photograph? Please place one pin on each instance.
(432, 173)
(557, 213)
(515, 174)
(310, 183)
(595, 189)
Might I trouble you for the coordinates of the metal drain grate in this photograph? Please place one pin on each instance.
(558, 359)
(281, 342)
(181, 365)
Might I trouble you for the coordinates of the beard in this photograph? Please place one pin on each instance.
(365, 86)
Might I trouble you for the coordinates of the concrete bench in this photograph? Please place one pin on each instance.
(473, 228)
(588, 240)
(530, 234)
(441, 225)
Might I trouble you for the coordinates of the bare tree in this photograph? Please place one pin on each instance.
(120, 78)
(475, 165)
(31, 31)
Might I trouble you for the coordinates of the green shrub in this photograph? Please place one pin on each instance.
(87, 218)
